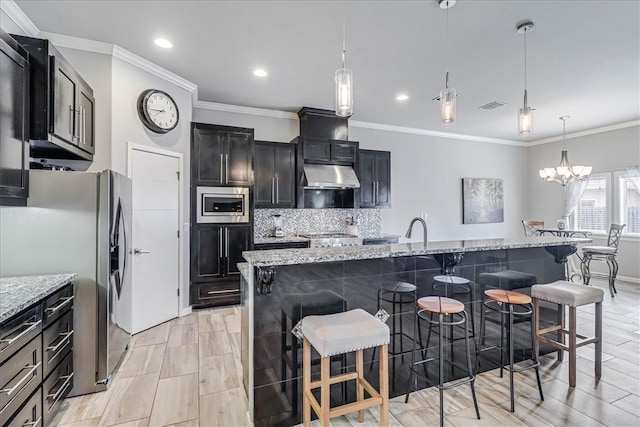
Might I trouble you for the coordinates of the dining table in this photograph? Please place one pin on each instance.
(564, 232)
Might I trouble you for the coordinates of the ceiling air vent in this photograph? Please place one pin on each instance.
(493, 105)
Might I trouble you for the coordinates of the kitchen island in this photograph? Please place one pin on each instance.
(278, 280)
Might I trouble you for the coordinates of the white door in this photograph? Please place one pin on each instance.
(156, 242)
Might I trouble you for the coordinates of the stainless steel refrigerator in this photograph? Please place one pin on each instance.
(79, 222)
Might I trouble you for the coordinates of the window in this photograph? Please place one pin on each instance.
(612, 197)
(591, 212)
(629, 195)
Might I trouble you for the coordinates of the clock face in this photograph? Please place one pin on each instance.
(158, 111)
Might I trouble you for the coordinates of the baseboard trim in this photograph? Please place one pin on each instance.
(185, 312)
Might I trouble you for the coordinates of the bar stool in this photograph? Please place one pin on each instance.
(503, 302)
(452, 287)
(334, 334)
(563, 294)
(442, 306)
(296, 307)
(398, 294)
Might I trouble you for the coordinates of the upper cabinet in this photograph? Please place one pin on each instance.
(14, 122)
(375, 179)
(275, 171)
(62, 105)
(318, 150)
(221, 155)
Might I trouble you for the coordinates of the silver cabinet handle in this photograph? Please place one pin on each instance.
(226, 169)
(226, 241)
(56, 396)
(64, 341)
(65, 301)
(32, 369)
(222, 292)
(138, 251)
(373, 192)
(32, 424)
(31, 327)
(72, 113)
(220, 254)
(273, 190)
(221, 169)
(82, 125)
(277, 190)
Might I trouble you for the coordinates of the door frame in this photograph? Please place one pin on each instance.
(131, 147)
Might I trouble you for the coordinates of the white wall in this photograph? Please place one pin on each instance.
(265, 128)
(606, 151)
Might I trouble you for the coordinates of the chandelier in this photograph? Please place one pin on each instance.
(565, 173)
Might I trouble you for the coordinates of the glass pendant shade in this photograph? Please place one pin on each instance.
(344, 92)
(525, 120)
(448, 106)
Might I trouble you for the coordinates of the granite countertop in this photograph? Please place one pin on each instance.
(244, 269)
(347, 253)
(18, 293)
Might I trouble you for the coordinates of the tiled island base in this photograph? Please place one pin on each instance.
(358, 283)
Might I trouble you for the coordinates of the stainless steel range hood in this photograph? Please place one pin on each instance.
(330, 176)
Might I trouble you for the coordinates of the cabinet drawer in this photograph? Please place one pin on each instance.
(343, 152)
(210, 294)
(31, 413)
(57, 340)
(18, 331)
(20, 375)
(55, 305)
(57, 387)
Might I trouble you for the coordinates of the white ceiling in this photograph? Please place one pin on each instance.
(583, 56)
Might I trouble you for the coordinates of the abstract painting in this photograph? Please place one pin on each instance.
(482, 201)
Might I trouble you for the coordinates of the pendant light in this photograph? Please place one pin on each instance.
(448, 94)
(565, 173)
(344, 78)
(525, 116)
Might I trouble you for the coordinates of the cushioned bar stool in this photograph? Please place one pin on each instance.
(397, 294)
(450, 313)
(505, 302)
(296, 307)
(563, 294)
(507, 279)
(333, 334)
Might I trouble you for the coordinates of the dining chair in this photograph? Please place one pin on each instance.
(531, 227)
(603, 253)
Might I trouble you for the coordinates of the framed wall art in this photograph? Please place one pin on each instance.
(482, 201)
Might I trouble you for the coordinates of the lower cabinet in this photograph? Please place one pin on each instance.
(215, 252)
(36, 361)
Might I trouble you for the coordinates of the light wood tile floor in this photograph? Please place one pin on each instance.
(187, 373)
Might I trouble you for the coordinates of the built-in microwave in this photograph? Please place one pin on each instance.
(222, 204)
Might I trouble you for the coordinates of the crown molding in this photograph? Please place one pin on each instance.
(152, 68)
(20, 18)
(428, 132)
(594, 131)
(238, 109)
(70, 42)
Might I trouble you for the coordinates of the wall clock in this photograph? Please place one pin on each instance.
(157, 110)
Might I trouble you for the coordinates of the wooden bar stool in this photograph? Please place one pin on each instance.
(340, 333)
(450, 313)
(569, 294)
(503, 302)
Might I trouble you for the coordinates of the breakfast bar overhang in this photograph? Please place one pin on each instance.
(277, 283)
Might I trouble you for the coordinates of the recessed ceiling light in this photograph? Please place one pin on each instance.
(259, 72)
(402, 97)
(163, 43)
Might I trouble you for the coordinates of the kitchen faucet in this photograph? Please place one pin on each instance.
(424, 228)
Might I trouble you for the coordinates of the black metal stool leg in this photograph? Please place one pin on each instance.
(413, 357)
(534, 354)
(510, 344)
(441, 367)
(471, 375)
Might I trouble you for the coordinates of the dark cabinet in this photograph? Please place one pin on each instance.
(62, 105)
(215, 252)
(221, 155)
(275, 171)
(375, 179)
(14, 122)
(318, 150)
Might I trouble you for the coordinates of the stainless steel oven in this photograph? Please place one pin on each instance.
(222, 204)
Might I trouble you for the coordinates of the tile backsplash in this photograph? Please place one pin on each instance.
(298, 221)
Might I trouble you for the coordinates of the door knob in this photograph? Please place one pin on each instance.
(140, 251)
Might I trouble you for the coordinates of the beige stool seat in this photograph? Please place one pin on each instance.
(569, 294)
(341, 333)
